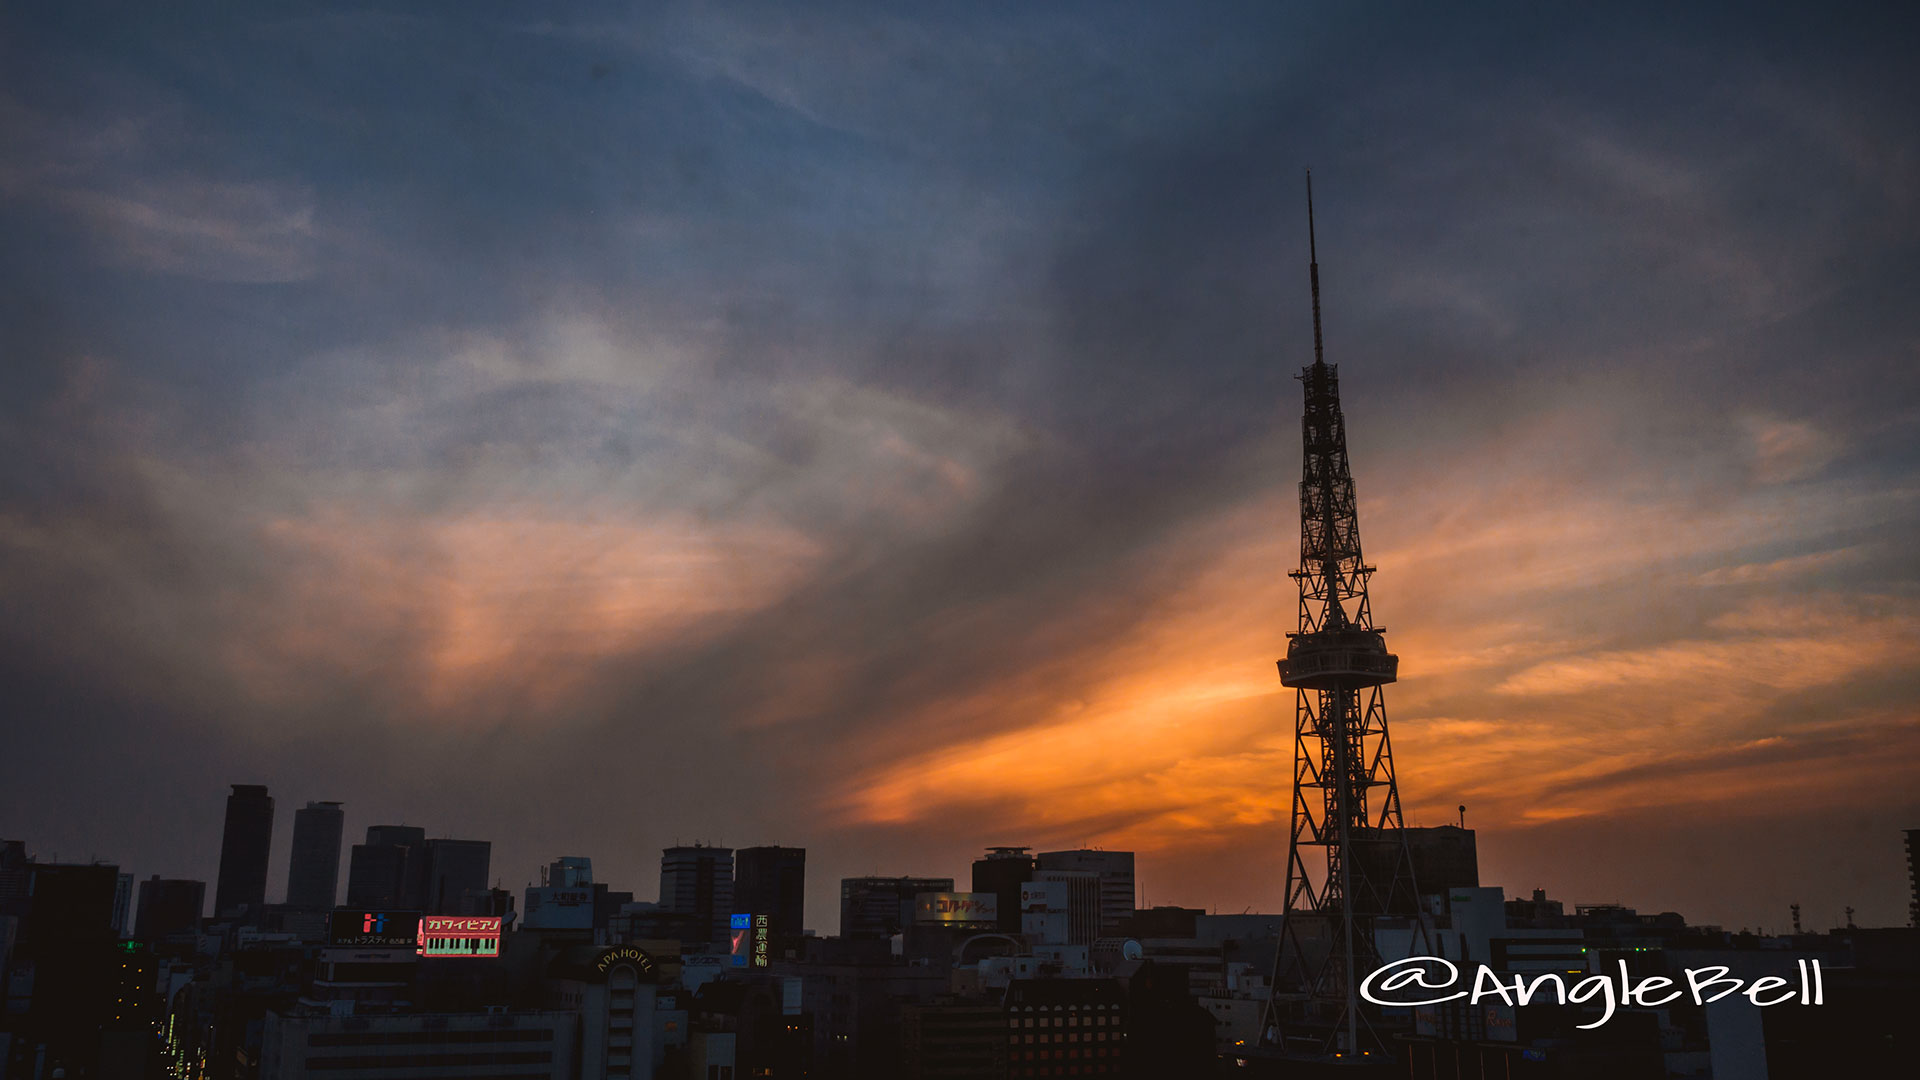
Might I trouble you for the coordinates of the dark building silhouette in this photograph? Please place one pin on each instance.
(313, 872)
(1071, 1027)
(1001, 872)
(772, 881)
(390, 869)
(954, 1040)
(16, 873)
(122, 904)
(1168, 1034)
(243, 852)
(67, 944)
(1443, 857)
(1913, 878)
(698, 881)
(1163, 921)
(880, 907)
(606, 904)
(169, 906)
(457, 874)
(376, 876)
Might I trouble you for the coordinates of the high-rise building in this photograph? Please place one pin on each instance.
(376, 876)
(1061, 907)
(772, 881)
(242, 885)
(1001, 872)
(698, 881)
(313, 873)
(397, 835)
(122, 904)
(1115, 869)
(169, 906)
(880, 907)
(390, 869)
(457, 875)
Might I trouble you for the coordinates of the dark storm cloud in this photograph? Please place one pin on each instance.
(688, 422)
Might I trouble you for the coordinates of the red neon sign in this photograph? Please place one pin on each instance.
(459, 935)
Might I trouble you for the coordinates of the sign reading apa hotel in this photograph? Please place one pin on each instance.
(641, 959)
(352, 928)
(460, 935)
(956, 909)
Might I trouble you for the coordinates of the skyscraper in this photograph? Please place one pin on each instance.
(457, 873)
(772, 881)
(243, 852)
(390, 869)
(698, 881)
(1116, 880)
(313, 873)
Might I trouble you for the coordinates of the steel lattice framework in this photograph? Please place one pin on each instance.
(1345, 799)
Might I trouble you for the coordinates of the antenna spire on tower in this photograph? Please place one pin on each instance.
(1313, 273)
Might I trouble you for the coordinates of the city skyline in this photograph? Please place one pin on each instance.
(588, 437)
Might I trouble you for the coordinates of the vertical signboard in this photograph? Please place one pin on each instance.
(751, 940)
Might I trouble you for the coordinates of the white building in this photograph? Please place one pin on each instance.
(1115, 870)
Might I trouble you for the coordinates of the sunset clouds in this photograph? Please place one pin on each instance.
(875, 432)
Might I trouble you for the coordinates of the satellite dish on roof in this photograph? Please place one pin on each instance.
(1131, 950)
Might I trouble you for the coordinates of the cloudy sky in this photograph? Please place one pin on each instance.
(872, 428)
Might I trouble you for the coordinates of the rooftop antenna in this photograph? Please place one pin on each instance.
(1313, 273)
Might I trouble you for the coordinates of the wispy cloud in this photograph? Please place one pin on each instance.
(919, 461)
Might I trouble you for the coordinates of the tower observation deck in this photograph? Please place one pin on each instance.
(1346, 802)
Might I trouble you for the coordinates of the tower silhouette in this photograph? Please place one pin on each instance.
(1345, 799)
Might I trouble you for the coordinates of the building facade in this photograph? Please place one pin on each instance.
(1115, 870)
(313, 871)
(880, 907)
(698, 881)
(244, 845)
(457, 876)
(169, 906)
(772, 881)
(508, 1045)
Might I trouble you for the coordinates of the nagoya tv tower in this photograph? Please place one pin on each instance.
(1345, 801)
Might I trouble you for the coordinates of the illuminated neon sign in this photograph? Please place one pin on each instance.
(459, 935)
(956, 909)
(750, 938)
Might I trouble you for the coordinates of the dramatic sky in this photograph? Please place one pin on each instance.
(873, 429)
